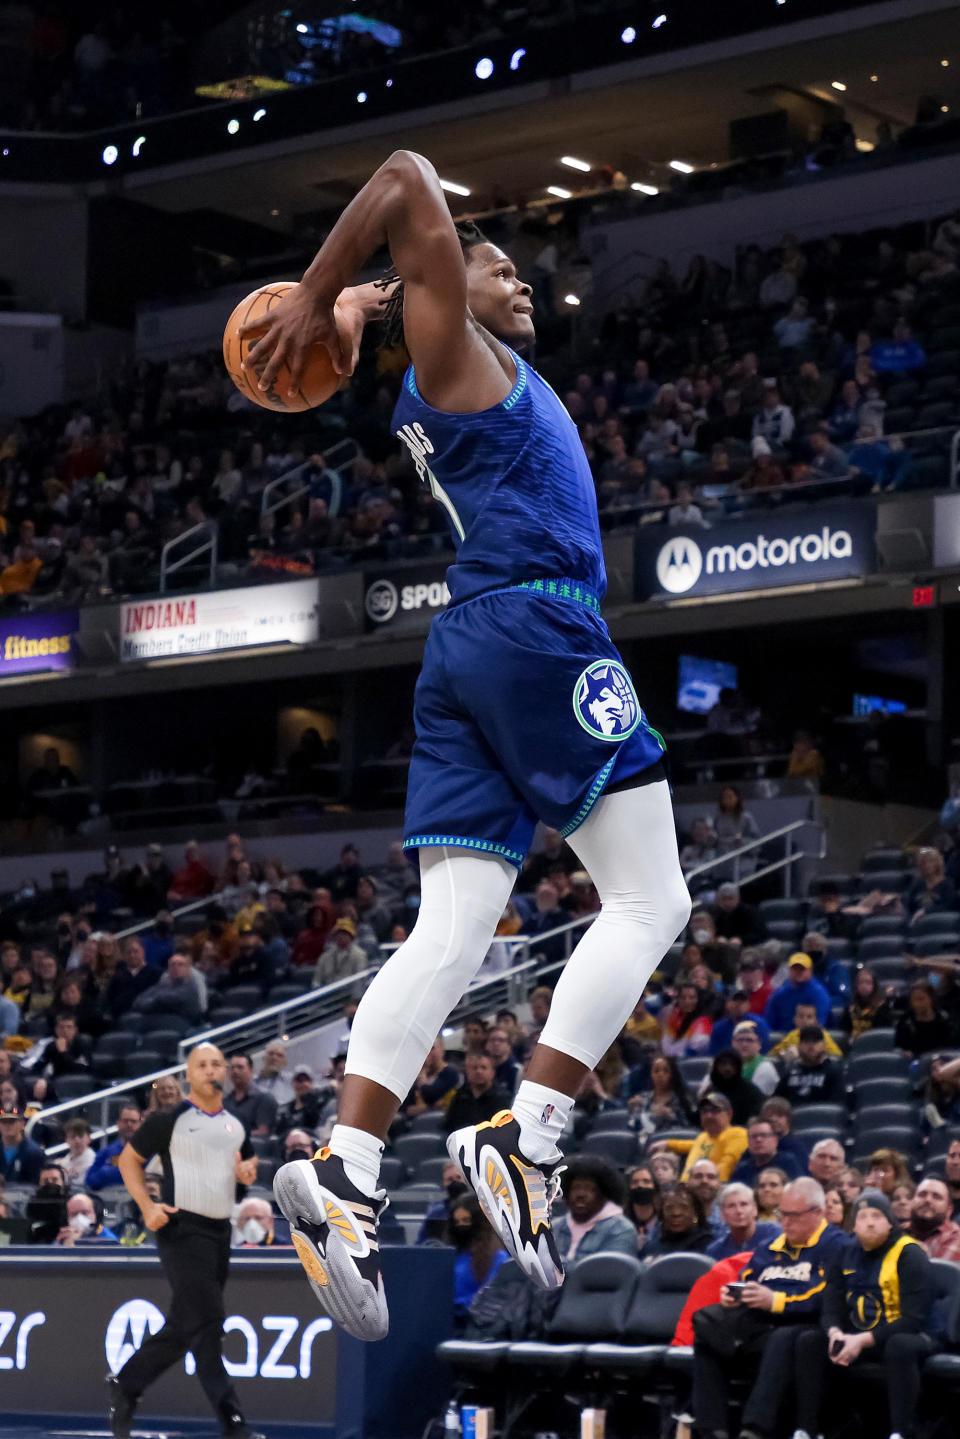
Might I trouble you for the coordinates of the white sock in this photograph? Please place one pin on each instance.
(360, 1153)
(542, 1114)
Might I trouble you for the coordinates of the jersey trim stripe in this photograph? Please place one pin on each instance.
(520, 384)
(560, 589)
(457, 841)
(593, 794)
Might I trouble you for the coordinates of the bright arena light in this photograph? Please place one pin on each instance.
(259, 114)
(571, 300)
(233, 126)
(572, 163)
(628, 35)
(362, 97)
(516, 57)
(303, 29)
(454, 188)
(837, 85)
(644, 189)
(660, 20)
(109, 156)
(559, 191)
(681, 167)
(483, 68)
(138, 145)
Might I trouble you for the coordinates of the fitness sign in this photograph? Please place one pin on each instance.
(759, 554)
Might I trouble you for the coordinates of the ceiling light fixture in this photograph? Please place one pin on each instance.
(259, 114)
(572, 163)
(516, 57)
(454, 188)
(656, 24)
(944, 109)
(837, 85)
(483, 68)
(628, 35)
(559, 191)
(644, 189)
(362, 97)
(571, 300)
(138, 145)
(944, 63)
(681, 166)
(233, 126)
(110, 154)
(874, 78)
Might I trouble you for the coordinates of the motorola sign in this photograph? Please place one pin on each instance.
(760, 554)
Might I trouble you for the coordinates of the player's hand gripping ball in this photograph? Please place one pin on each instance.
(280, 337)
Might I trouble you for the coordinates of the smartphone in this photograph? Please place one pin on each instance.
(736, 1290)
(836, 1346)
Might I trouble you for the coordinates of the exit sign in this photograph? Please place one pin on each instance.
(922, 596)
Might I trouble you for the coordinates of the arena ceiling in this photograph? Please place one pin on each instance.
(636, 124)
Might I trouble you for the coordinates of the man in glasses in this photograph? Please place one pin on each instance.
(754, 1327)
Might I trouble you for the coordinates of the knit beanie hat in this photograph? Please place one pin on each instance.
(875, 1199)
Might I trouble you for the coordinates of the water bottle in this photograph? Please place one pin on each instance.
(451, 1421)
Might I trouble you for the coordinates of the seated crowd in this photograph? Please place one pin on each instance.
(718, 393)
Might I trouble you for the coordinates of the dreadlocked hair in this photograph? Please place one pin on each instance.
(391, 306)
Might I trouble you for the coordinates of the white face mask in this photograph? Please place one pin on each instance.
(702, 936)
(81, 1223)
(253, 1232)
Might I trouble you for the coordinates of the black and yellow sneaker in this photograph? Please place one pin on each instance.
(333, 1226)
(514, 1193)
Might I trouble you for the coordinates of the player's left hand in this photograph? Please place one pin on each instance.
(246, 1170)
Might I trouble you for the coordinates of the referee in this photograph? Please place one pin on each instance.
(205, 1153)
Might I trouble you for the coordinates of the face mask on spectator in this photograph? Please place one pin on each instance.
(462, 1235)
(642, 1194)
(162, 926)
(298, 1154)
(455, 1188)
(81, 1223)
(702, 936)
(253, 1232)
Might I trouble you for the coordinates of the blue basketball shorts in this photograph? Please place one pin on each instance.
(523, 711)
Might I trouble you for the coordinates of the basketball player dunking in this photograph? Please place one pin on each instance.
(523, 711)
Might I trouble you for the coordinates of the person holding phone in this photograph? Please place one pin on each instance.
(877, 1306)
(753, 1329)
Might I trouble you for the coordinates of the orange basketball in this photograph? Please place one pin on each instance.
(319, 380)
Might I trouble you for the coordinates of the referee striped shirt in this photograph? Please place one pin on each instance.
(197, 1151)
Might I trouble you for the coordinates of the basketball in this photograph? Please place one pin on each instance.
(319, 379)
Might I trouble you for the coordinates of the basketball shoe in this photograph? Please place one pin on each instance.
(333, 1226)
(514, 1193)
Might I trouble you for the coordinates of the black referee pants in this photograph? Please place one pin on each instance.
(195, 1254)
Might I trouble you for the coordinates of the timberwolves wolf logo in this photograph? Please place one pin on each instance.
(604, 701)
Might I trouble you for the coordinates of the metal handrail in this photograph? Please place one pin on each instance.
(211, 530)
(268, 506)
(786, 832)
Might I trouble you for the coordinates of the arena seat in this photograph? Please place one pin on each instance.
(877, 925)
(818, 1116)
(891, 1089)
(876, 1066)
(883, 860)
(873, 1041)
(943, 922)
(619, 1146)
(593, 1307)
(411, 1149)
(884, 946)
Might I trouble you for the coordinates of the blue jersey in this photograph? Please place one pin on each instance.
(515, 484)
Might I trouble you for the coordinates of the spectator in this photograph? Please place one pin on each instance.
(931, 1222)
(793, 329)
(20, 1159)
(437, 1215)
(763, 1150)
(888, 1168)
(736, 923)
(251, 964)
(879, 1305)
(930, 892)
(826, 1162)
(103, 1172)
(274, 1076)
(131, 978)
(869, 1007)
(719, 1138)
(701, 848)
(311, 942)
(299, 1144)
(437, 1082)
(665, 1167)
(665, 1104)
(833, 974)
(754, 1331)
(774, 420)
(827, 462)
(642, 1026)
(479, 1254)
(736, 1008)
(704, 1181)
(47, 1207)
(718, 958)
(951, 1174)
(771, 1183)
(779, 1113)
(165, 1094)
(80, 1154)
(753, 980)
(924, 1028)
(255, 1225)
(762, 1073)
(726, 1077)
(256, 1111)
(595, 1222)
(686, 1028)
(158, 942)
(813, 1078)
(787, 1049)
(800, 988)
(901, 1202)
(851, 1184)
(479, 1097)
(900, 354)
(180, 991)
(506, 1068)
(742, 1230)
(474, 1034)
(85, 1224)
(683, 1224)
(306, 1109)
(193, 880)
(642, 1206)
(806, 761)
(837, 1211)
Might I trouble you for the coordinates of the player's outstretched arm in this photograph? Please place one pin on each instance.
(401, 206)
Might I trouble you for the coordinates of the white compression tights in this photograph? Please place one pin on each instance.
(627, 845)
